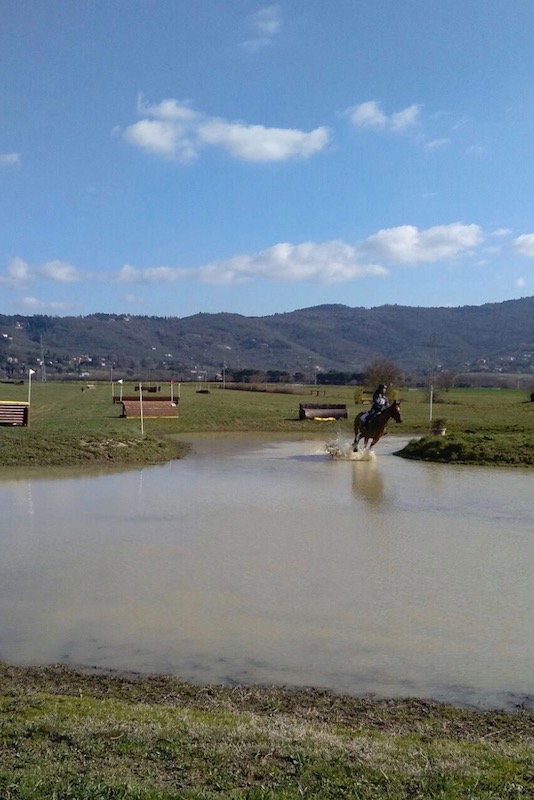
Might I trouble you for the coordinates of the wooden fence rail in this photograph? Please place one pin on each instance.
(322, 411)
(12, 413)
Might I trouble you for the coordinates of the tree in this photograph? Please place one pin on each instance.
(382, 370)
(444, 380)
(277, 376)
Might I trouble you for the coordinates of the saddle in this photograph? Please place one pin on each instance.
(367, 417)
(370, 415)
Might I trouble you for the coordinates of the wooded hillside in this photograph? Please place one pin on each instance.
(491, 337)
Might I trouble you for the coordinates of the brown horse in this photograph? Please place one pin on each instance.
(376, 427)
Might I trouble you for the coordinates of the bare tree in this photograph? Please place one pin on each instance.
(382, 370)
(444, 380)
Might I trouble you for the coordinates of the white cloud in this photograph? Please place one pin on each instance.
(171, 133)
(176, 131)
(169, 109)
(405, 118)
(408, 245)
(524, 245)
(328, 262)
(257, 143)
(438, 144)
(370, 115)
(9, 159)
(155, 136)
(134, 299)
(129, 274)
(17, 272)
(367, 115)
(34, 304)
(520, 283)
(266, 23)
(267, 20)
(59, 271)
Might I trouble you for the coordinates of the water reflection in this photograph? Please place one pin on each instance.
(273, 562)
(367, 483)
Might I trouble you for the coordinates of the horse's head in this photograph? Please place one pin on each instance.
(395, 411)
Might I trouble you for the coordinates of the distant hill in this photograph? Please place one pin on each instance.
(330, 337)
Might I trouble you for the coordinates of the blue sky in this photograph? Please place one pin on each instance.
(169, 157)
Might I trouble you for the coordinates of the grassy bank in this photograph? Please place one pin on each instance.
(484, 427)
(50, 448)
(65, 734)
(498, 450)
(71, 427)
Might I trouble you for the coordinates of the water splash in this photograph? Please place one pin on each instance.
(341, 449)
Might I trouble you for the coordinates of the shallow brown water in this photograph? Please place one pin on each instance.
(259, 561)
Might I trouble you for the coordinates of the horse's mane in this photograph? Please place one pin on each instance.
(388, 408)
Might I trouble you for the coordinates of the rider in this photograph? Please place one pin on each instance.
(380, 402)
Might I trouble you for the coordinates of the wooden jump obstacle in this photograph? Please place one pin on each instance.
(151, 408)
(148, 387)
(128, 398)
(322, 411)
(14, 413)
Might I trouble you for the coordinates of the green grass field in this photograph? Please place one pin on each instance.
(69, 427)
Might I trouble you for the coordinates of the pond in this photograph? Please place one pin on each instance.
(261, 561)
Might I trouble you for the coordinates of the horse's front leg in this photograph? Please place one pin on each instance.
(356, 442)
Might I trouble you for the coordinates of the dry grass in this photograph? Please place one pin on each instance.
(68, 734)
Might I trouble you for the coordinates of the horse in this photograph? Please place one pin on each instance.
(376, 427)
